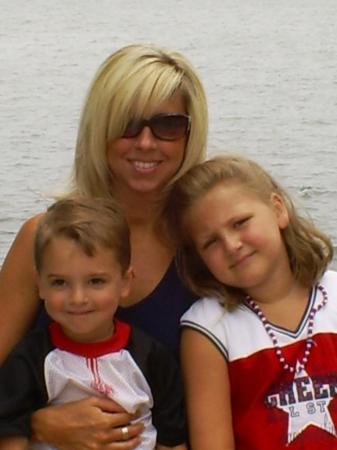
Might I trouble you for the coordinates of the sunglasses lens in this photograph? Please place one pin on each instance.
(170, 127)
(133, 128)
(167, 127)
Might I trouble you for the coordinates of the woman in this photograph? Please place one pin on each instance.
(144, 124)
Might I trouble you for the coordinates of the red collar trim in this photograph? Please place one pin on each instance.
(91, 349)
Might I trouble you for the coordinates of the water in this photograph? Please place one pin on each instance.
(269, 69)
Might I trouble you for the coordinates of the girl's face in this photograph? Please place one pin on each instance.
(145, 163)
(238, 236)
(82, 292)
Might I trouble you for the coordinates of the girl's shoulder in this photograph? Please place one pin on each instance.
(329, 275)
(204, 311)
(329, 282)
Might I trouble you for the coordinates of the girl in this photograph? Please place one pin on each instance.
(259, 352)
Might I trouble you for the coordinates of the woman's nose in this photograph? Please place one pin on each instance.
(146, 139)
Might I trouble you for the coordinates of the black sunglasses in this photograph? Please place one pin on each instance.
(167, 127)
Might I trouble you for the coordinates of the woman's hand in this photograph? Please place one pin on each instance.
(90, 424)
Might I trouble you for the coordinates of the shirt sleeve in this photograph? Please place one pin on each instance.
(208, 317)
(22, 388)
(167, 390)
(162, 373)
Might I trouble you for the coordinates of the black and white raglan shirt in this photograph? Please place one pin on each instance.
(131, 368)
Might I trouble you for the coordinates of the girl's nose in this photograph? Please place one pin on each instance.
(232, 242)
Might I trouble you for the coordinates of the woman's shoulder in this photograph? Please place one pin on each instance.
(30, 224)
(23, 241)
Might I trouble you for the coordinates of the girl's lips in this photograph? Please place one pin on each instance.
(241, 260)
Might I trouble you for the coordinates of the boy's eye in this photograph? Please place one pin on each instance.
(58, 282)
(97, 281)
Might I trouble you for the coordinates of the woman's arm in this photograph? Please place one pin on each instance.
(14, 443)
(207, 390)
(18, 291)
(163, 447)
(93, 423)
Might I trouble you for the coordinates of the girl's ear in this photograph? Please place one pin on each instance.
(280, 210)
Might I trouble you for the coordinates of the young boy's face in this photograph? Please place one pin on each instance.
(82, 292)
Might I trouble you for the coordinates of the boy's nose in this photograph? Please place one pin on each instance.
(78, 296)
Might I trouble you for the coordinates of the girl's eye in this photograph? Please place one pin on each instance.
(241, 222)
(208, 243)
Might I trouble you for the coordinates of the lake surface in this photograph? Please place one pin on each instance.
(269, 69)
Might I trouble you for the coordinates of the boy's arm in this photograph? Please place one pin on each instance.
(14, 443)
(207, 389)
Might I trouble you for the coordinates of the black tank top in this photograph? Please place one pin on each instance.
(159, 313)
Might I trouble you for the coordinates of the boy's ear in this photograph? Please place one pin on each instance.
(38, 283)
(127, 279)
(280, 210)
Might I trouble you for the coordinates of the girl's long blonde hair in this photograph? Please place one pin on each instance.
(309, 250)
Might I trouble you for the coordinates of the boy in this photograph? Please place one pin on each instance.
(82, 258)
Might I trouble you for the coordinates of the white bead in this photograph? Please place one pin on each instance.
(309, 341)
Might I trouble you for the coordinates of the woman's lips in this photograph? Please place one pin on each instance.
(145, 166)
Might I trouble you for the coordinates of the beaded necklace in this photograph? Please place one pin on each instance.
(308, 342)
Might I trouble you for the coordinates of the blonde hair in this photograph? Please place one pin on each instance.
(130, 81)
(309, 250)
(91, 223)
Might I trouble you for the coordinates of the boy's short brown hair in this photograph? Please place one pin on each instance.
(91, 223)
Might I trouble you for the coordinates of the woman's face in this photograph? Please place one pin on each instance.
(144, 163)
